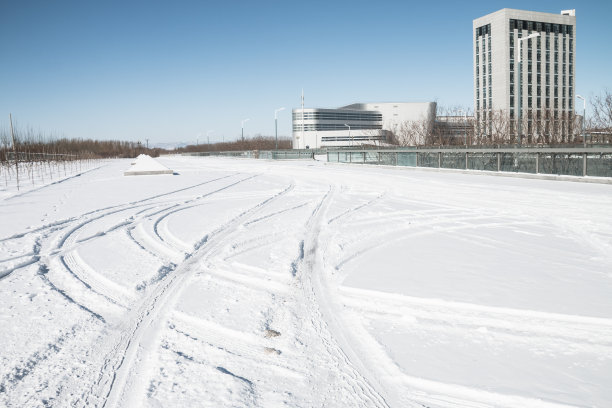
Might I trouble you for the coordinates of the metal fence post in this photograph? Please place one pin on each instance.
(498, 161)
(537, 163)
(439, 159)
(364, 158)
(466, 160)
(584, 164)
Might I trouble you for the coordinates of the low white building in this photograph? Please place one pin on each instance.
(357, 124)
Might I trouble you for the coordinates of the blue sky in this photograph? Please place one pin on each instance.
(171, 71)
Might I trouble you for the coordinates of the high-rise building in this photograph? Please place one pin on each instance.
(547, 80)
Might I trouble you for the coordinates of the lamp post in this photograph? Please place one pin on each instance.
(583, 117)
(520, 84)
(276, 127)
(207, 136)
(242, 127)
(349, 134)
(464, 113)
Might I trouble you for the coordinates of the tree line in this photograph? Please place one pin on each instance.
(257, 142)
(456, 126)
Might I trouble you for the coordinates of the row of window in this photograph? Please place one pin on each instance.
(547, 103)
(483, 30)
(570, 92)
(349, 139)
(569, 68)
(309, 127)
(339, 116)
(547, 49)
(529, 72)
(541, 27)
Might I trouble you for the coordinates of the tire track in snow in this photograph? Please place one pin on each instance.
(138, 339)
(354, 209)
(77, 268)
(133, 204)
(28, 365)
(265, 217)
(166, 214)
(422, 229)
(70, 236)
(308, 271)
(42, 273)
(592, 333)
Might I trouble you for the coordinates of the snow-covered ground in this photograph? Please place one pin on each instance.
(239, 282)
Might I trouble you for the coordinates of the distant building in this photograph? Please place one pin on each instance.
(453, 130)
(547, 75)
(357, 124)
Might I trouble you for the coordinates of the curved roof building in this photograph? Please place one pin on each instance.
(356, 124)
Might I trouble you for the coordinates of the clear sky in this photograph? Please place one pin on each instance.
(174, 70)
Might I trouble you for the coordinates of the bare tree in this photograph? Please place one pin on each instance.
(599, 124)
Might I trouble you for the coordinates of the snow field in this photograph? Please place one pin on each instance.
(259, 283)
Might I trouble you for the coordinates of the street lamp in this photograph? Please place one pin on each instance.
(464, 113)
(583, 117)
(520, 85)
(276, 127)
(207, 137)
(349, 134)
(242, 127)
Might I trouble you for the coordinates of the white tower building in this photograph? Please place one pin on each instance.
(547, 75)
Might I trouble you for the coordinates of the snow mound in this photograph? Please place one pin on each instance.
(146, 165)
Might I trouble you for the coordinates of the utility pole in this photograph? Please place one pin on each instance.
(147, 143)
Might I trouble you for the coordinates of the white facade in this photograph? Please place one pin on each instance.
(370, 123)
(548, 67)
